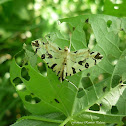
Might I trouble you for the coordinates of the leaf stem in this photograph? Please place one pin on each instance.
(65, 121)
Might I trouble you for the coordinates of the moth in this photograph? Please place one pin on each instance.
(63, 61)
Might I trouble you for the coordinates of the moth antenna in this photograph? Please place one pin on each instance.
(71, 83)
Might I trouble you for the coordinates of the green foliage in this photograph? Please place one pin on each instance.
(115, 8)
(22, 21)
(101, 95)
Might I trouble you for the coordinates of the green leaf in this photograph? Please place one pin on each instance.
(101, 95)
(80, 41)
(115, 8)
(4, 1)
(33, 123)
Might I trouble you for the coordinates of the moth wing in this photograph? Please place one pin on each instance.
(81, 60)
(50, 53)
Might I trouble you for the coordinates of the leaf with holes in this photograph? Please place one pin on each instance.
(101, 95)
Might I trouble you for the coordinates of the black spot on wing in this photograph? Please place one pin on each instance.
(50, 56)
(120, 81)
(62, 75)
(91, 52)
(62, 79)
(74, 71)
(53, 66)
(59, 48)
(100, 104)
(66, 74)
(97, 56)
(86, 65)
(80, 62)
(52, 50)
(43, 43)
(58, 73)
(36, 50)
(75, 52)
(43, 56)
(35, 43)
(79, 69)
(95, 62)
(56, 100)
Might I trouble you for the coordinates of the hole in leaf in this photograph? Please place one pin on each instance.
(116, 7)
(87, 20)
(124, 120)
(114, 110)
(109, 22)
(86, 82)
(56, 100)
(21, 87)
(80, 93)
(24, 74)
(112, 59)
(124, 82)
(32, 94)
(19, 84)
(95, 107)
(122, 36)
(115, 124)
(26, 63)
(101, 77)
(73, 28)
(95, 42)
(104, 89)
(88, 74)
(115, 80)
(17, 81)
(32, 100)
(121, 29)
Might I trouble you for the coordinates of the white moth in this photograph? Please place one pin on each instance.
(64, 62)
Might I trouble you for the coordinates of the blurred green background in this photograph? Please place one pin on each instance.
(22, 21)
